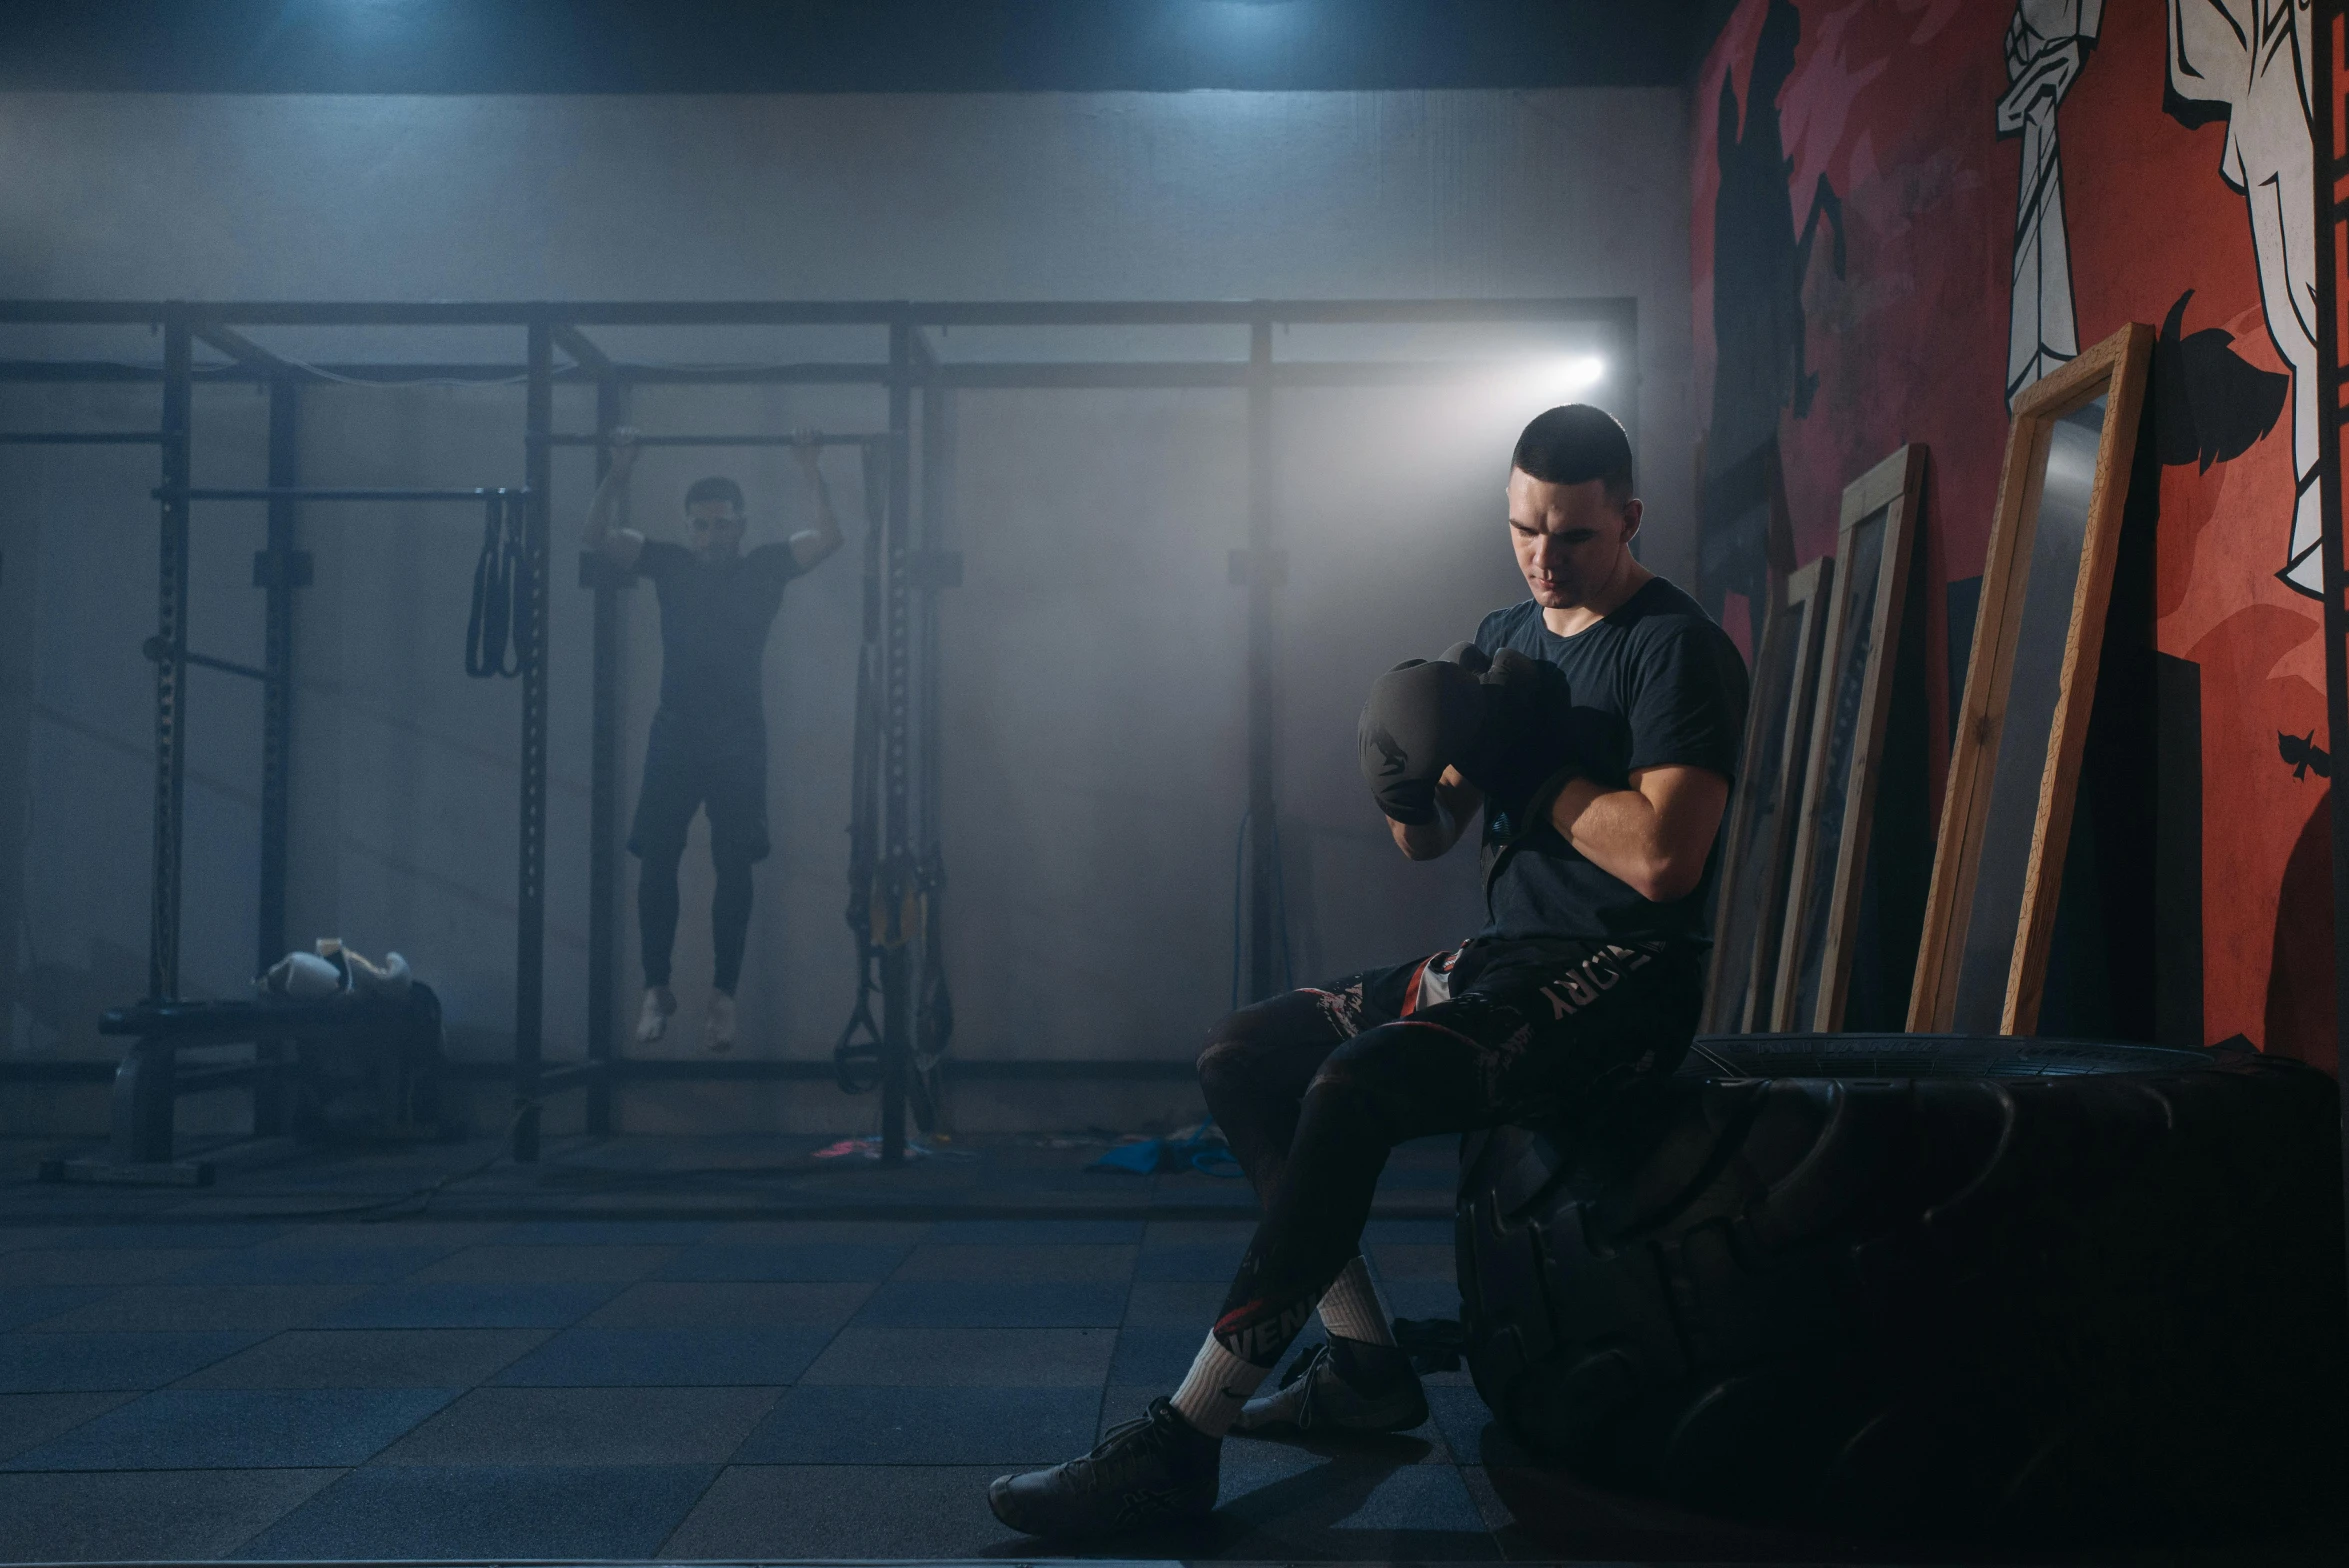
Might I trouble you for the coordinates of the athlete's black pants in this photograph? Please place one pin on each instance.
(1313, 1088)
(685, 772)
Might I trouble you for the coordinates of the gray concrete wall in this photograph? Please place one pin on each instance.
(1093, 725)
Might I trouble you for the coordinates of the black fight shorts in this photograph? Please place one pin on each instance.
(1519, 1030)
(683, 774)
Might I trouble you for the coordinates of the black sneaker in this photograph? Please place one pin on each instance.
(1156, 1470)
(1316, 1396)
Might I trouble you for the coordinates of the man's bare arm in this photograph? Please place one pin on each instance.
(617, 545)
(813, 545)
(1457, 802)
(1654, 836)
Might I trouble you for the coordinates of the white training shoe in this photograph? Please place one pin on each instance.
(652, 1019)
(717, 1030)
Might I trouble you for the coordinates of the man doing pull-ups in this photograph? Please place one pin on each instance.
(708, 747)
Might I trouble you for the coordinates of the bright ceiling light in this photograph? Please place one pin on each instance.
(1580, 373)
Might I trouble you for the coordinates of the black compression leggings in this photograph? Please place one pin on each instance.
(1315, 1087)
(656, 916)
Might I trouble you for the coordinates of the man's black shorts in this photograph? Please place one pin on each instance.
(1532, 1024)
(683, 773)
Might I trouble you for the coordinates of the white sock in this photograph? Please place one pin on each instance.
(1350, 1309)
(1215, 1388)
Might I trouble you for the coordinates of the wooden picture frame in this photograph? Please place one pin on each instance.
(1762, 812)
(2006, 815)
(1876, 546)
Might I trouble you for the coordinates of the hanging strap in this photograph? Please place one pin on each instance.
(501, 585)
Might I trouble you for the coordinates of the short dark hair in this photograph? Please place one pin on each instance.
(1574, 444)
(715, 488)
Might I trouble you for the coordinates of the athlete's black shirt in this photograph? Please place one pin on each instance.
(1655, 684)
(714, 621)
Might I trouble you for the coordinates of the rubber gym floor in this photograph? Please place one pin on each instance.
(702, 1349)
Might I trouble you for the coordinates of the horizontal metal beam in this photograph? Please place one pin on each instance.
(1001, 374)
(1279, 312)
(1006, 313)
(305, 493)
(563, 438)
(86, 371)
(1232, 373)
(806, 373)
(80, 372)
(100, 371)
(80, 437)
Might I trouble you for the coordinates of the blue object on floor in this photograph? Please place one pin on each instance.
(1200, 1148)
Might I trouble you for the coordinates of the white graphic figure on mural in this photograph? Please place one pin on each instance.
(2242, 60)
(2046, 44)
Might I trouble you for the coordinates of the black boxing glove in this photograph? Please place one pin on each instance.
(1419, 718)
(1522, 741)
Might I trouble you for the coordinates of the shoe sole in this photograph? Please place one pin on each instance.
(1416, 1419)
(1330, 1428)
(999, 1490)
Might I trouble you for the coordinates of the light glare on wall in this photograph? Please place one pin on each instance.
(1579, 374)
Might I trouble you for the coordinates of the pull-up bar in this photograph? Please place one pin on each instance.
(558, 438)
(302, 493)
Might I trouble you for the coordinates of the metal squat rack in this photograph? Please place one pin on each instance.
(912, 569)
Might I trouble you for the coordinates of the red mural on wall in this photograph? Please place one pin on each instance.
(2010, 182)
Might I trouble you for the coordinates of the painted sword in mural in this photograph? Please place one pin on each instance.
(2243, 61)
(2046, 45)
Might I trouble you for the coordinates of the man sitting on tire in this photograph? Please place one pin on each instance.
(1598, 726)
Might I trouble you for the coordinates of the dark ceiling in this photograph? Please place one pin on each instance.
(753, 46)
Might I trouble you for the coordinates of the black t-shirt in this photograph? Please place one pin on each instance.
(1655, 684)
(714, 621)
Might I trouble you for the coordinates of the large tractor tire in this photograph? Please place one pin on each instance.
(1924, 1284)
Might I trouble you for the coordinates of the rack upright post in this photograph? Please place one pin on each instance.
(171, 668)
(278, 572)
(603, 789)
(896, 854)
(530, 636)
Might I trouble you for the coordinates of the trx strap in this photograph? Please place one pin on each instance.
(933, 1002)
(501, 588)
